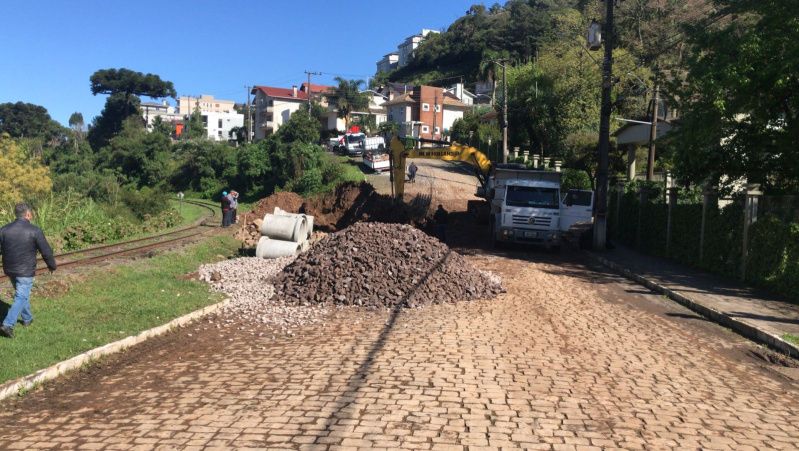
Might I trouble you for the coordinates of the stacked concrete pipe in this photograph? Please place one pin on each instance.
(284, 234)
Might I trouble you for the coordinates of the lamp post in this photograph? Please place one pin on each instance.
(600, 220)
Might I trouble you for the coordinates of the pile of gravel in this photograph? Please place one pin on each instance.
(382, 265)
(246, 283)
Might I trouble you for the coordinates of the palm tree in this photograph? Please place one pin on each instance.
(348, 98)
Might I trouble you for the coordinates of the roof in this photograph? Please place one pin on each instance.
(399, 100)
(317, 88)
(448, 100)
(638, 134)
(281, 93)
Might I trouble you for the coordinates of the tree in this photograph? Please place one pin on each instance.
(123, 87)
(162, 127)
(195, 129)
(740, 99)
(348, 98)
(26, 120)
(21, 177)
(141, 158)
(76, 124)
(299, 128)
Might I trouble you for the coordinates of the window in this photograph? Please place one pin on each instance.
(217, 105)
(437, 131)
(219, 133)
(425, 129)
(528, 196)
(425, 107)
(438, 108)
(219, 124)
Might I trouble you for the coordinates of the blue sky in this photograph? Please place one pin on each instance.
(48, 49)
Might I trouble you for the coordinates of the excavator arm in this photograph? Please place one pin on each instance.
(400, 152)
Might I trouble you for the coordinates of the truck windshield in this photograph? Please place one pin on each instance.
(529, 196)
(353, 139)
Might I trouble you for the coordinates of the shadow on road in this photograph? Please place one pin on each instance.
(356, 381)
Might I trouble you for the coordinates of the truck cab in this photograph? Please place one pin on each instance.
(525, 207)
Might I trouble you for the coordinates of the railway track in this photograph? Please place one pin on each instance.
(105, 251)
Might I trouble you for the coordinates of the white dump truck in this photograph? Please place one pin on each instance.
(527, 207)
(359, 143)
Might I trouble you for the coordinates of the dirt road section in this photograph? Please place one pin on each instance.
(568, 357)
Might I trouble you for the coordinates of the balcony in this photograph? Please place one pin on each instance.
(267, 125)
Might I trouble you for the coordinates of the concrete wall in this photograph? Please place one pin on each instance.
(219, 124)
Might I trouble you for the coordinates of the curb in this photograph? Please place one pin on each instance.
(747, 330)
(13, 388)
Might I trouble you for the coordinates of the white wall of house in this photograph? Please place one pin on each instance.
(219, 124)
(450, 116)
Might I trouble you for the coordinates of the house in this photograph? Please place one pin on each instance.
(462, 94)
(376, 109)
(152, 110)
(389, 62)
(425, 112)
(219, 116)
(404, 53)
(274, 106)
(187, 104)
(406, 49)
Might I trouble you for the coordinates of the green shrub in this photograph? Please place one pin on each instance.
(575, 179)
(146, 202)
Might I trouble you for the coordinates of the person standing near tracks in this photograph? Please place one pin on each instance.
(441, 217)
(225, 209)
(234, 206)
(19, 242)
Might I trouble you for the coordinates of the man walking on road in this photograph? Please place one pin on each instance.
(412, 172)
(19, 242)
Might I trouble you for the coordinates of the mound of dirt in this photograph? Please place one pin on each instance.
(348, 204)
(382, 265)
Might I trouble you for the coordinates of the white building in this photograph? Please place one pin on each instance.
(406, 49)
(219, 116)
(219, 124)
(187, 104)
(388, 63)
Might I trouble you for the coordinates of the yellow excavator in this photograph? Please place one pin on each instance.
(401, 150)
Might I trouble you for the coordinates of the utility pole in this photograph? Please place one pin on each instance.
(308, 73)
(653, 134)
(600, 221)
(249, 116)
(504, 111)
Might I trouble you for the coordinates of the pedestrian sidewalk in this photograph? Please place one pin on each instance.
(753, 313)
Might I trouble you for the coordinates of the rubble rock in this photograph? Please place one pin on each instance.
(245, 281)
(382, 265)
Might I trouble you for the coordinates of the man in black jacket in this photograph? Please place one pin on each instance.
(19, 242)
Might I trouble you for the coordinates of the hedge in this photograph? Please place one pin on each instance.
(773, 260)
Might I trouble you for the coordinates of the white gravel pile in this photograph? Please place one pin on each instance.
(244, 281)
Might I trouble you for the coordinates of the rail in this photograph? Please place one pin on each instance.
(124, 247)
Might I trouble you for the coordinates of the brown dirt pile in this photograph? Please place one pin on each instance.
(382, 265)
(348, 204)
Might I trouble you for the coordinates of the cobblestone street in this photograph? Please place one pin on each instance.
(568, 359)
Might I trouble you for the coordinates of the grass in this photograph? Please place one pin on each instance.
(189, 212)
(106, 305)
(793, 339)
(352, 170)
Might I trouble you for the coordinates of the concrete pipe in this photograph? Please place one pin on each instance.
(308, 218)
(268, 248)
(287, 228)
